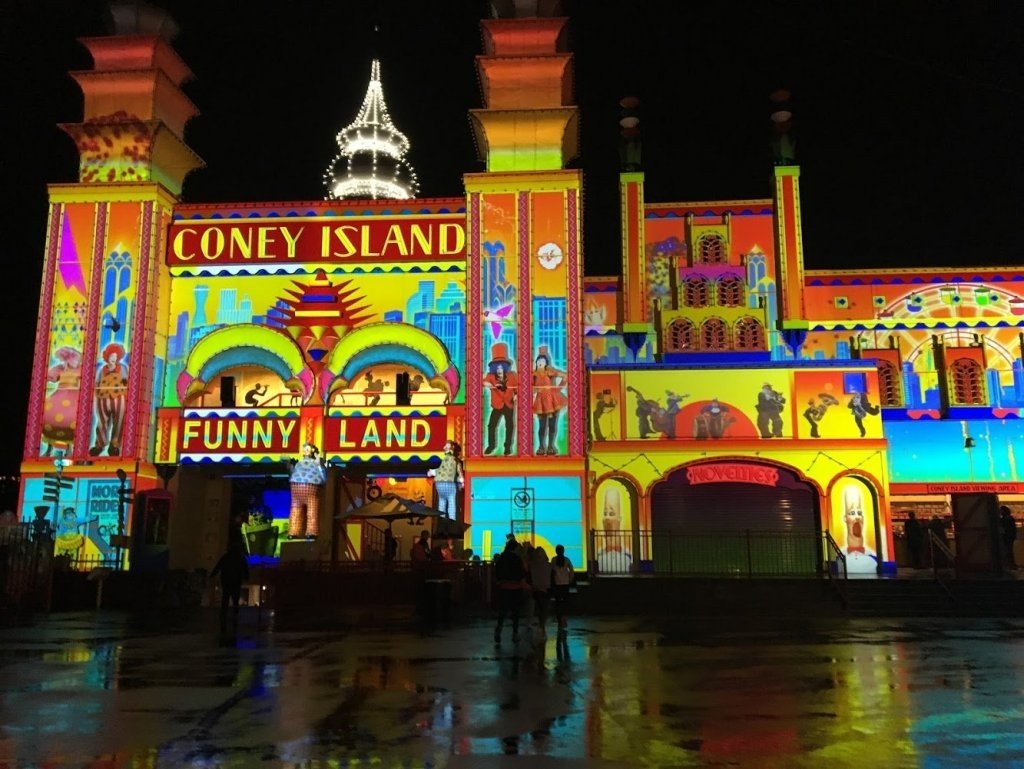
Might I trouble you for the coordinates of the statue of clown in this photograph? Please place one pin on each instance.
(447, 479)
(308, 476)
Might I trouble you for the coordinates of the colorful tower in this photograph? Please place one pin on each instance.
(789, 250)
(524, 362)
(99, 347)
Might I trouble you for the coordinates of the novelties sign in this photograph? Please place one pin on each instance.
(732, 472)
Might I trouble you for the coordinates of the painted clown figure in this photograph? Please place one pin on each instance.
(308, 476)
(447, 479)
(111, 397)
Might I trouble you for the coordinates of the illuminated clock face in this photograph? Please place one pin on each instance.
(549, 255)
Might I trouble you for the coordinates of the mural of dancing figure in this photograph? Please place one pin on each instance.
(308, 476)
(860, 407)
(548, 401)
(503, 384)
(111, 396)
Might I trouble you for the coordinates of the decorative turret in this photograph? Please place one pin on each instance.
(135, 112)
(528, 122)
(371, 159)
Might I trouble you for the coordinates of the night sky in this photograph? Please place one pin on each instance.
(908, 117)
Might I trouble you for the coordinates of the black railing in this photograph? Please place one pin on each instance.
(942, 558)
(747, 553)
(835, 558)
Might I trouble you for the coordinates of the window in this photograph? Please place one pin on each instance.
(730, 291)
(889, 390)
(681, 335)
(714, 335)
(696, 292)
(749, 334)
(967, 383)
(711, 249)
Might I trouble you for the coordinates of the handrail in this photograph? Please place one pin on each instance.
(935, 543)
(834, 552)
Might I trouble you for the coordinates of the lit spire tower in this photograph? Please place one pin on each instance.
(371, 159)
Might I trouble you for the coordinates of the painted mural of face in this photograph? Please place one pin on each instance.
(612, 515)
(853, 503)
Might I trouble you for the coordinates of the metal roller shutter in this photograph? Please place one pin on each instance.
(735, 529)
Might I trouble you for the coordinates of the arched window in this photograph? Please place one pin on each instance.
(681, 335)
(711, 249)
(714, 335)
(967, 383)
(889, 389)
(696, 292)
(749, 334)
(730, 291)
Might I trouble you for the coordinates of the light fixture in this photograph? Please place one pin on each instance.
(969, 442)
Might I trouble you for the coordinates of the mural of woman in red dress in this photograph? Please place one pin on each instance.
(548, 401)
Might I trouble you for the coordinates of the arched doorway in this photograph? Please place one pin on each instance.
(735, 517)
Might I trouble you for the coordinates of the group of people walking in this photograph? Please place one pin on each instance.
(524, 574)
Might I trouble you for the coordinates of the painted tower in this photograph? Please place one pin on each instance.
(524, 359)
(99, 347)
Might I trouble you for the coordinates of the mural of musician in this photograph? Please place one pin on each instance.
(308, 476)
(712, 420)
(503, 385)
(651, 415)
(604, 425)
(673, 405)
(548, 401)
(861, 407)
(815, 411)
(770, 403)
(111, 392)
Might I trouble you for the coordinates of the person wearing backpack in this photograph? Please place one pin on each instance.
(510, 574)
(562, 578)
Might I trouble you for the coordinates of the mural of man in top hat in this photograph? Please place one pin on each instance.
(503, 384)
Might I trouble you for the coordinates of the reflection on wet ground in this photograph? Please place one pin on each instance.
(103, 691)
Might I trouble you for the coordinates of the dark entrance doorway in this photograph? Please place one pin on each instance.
(735, 518)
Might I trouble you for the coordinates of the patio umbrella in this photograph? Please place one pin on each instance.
(391, 507)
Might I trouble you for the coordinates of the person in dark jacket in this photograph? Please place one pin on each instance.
(1009, 530)
(915, 539)
(510, 575)
(233, 570)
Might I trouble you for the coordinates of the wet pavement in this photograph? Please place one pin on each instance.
(106, 691)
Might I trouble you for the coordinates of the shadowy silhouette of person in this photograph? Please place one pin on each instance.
(1008, 527)
(915, 539)
(233, 570)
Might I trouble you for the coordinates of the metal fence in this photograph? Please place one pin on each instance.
(25, 569)
(747, 553)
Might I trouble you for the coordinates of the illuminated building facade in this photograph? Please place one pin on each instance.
(715, 386)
